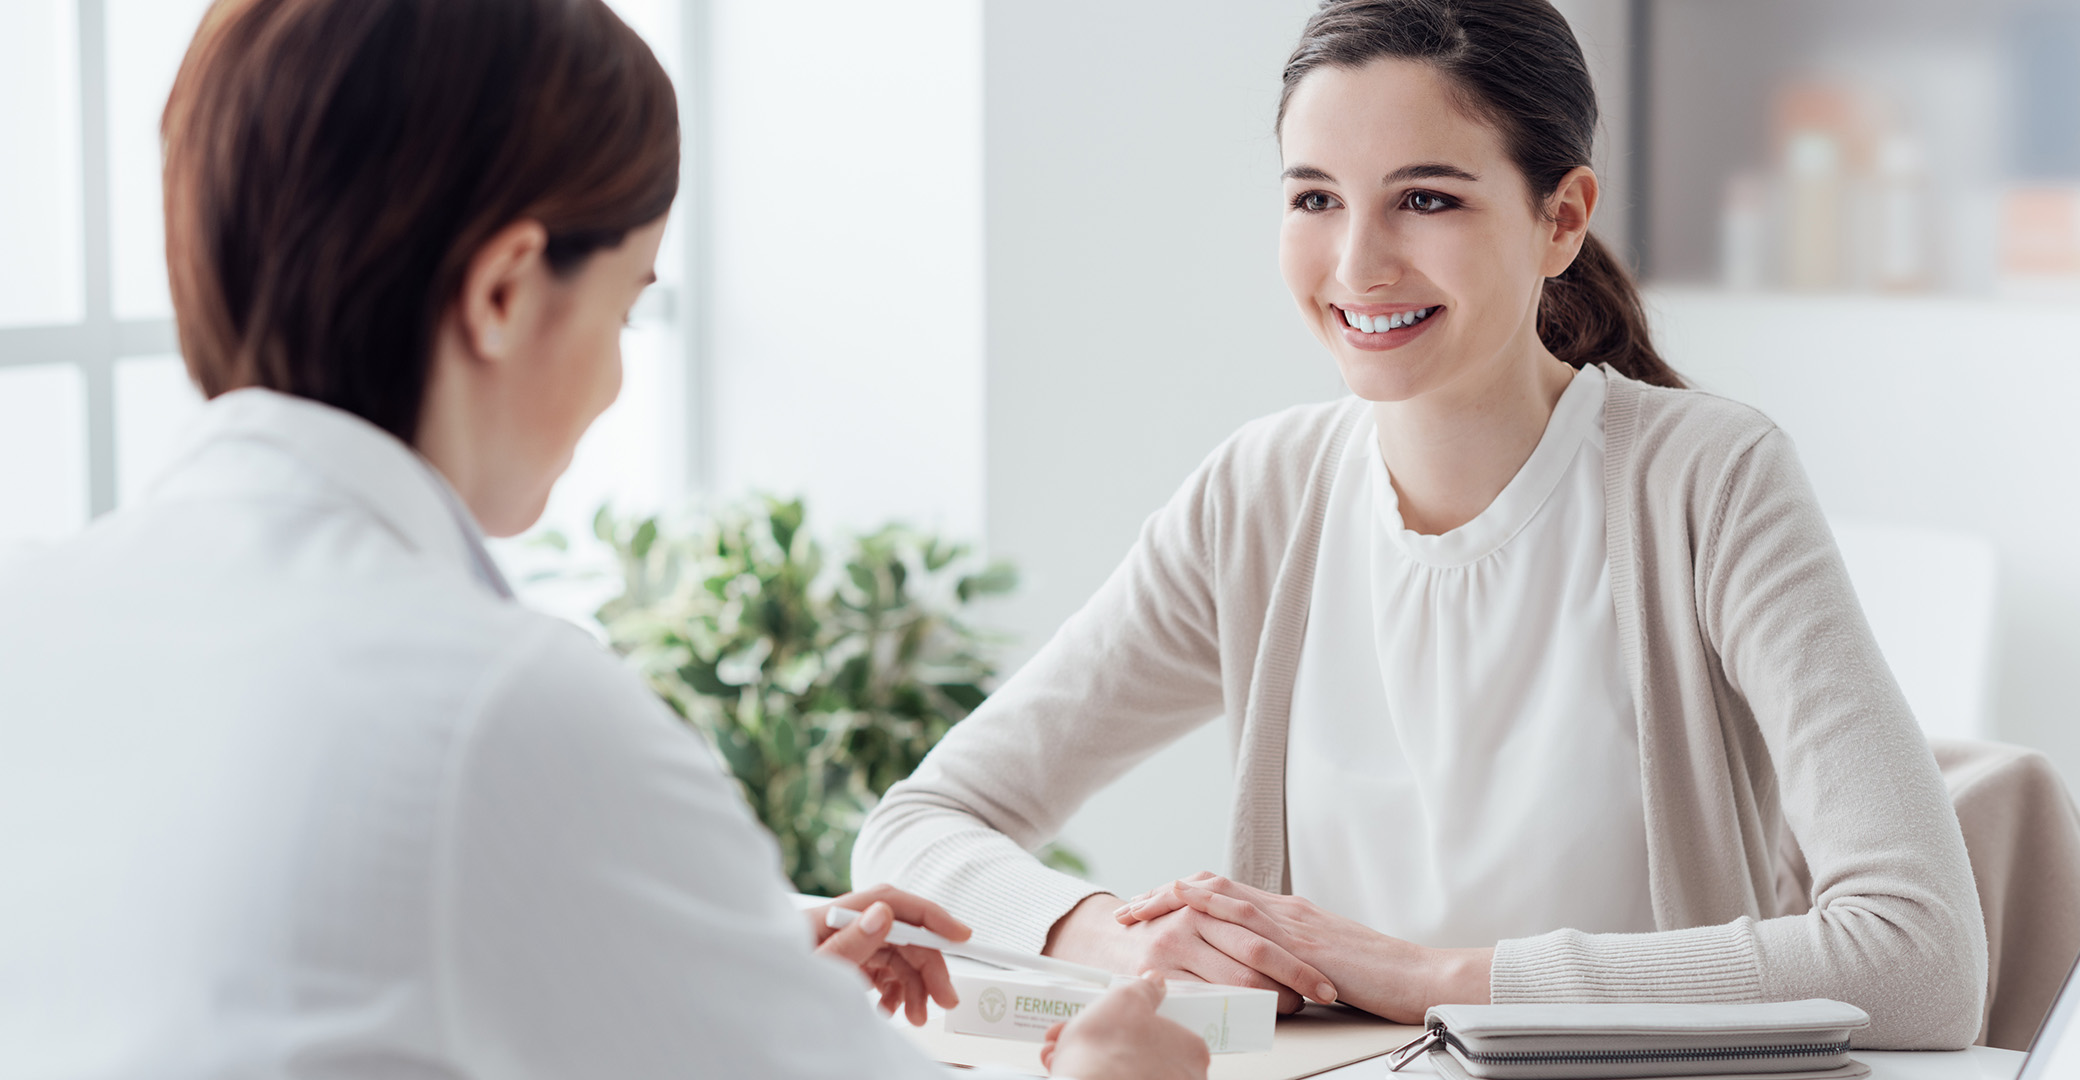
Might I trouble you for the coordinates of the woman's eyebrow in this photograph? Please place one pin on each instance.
(1422, 170)
(1427, 170)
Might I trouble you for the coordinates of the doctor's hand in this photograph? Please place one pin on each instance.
(1187, 944)
(1382, 975)
(905, 975)
(1120, 1037)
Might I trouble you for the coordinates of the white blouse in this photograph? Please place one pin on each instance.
(1463, 758)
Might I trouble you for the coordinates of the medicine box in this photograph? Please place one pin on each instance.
(1024, 1004)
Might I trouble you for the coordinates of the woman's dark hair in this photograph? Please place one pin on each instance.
(1515, 64)
(333, 165)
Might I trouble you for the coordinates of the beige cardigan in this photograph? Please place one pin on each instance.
(1763, 707)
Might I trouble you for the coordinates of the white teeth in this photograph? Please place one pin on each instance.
(1380, 324)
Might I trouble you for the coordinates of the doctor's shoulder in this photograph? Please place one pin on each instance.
(555, 687)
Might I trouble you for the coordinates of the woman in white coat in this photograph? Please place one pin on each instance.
(289, 786)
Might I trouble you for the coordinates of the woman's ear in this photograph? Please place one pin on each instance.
(1569, 209)
(498, 287)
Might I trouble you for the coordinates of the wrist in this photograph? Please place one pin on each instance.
(1088, 933)
(1460, 976)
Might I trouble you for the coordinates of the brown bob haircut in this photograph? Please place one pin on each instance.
(333, 165)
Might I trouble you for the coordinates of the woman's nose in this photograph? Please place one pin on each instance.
(1371, 256)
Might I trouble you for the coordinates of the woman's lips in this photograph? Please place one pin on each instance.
(1385, 340)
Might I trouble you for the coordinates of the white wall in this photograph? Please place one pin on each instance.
(845, 336)
(1136, 317)
(1604, 30)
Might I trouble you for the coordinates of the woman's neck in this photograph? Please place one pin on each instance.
(1451, 450)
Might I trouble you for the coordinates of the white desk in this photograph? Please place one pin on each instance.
(1975, 1063)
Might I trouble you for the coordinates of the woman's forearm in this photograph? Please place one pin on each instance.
(1389, 977)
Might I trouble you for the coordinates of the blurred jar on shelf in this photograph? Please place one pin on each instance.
(2040, 242)
(1845, 207)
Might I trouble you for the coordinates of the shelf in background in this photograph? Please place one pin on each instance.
(1909, 350)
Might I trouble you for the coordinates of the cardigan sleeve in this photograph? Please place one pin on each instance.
(1895, 925)
(1135, 669)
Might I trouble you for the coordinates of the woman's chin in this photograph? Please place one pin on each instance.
(1385, 377)
(517, 516)
(527, 507)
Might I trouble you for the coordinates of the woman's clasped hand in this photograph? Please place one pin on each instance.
(1188, 944)
(1270, 936)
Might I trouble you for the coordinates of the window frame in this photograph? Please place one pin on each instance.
(99, 340)
(95, 343)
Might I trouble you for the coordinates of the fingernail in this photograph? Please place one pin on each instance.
(1325, 994)
(1121, 910)
(875, 920)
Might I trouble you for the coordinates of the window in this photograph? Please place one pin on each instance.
(93, 395)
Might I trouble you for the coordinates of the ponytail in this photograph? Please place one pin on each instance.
(1592, 314)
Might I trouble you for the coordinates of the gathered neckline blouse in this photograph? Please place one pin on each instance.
(1463, 758)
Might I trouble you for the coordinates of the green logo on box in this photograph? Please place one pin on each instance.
(991, 1005)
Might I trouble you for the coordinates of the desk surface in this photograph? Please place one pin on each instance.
(1975, 1063)
(1316, 1042)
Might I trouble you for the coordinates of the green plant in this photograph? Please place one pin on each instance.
(820, 682)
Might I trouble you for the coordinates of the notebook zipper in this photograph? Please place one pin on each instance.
(1432, 1037)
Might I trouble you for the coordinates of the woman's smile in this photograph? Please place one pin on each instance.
(1379, 327)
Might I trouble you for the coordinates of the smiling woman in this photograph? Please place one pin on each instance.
(1538, 667)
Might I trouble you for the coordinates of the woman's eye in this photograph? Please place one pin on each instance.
(1314, 202)
(1426, 202)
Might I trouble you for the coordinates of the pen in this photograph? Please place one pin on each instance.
(902, 933)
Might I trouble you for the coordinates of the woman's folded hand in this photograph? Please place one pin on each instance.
(1187, 944)
(1380, 974)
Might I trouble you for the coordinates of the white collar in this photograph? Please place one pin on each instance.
(370, 466)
